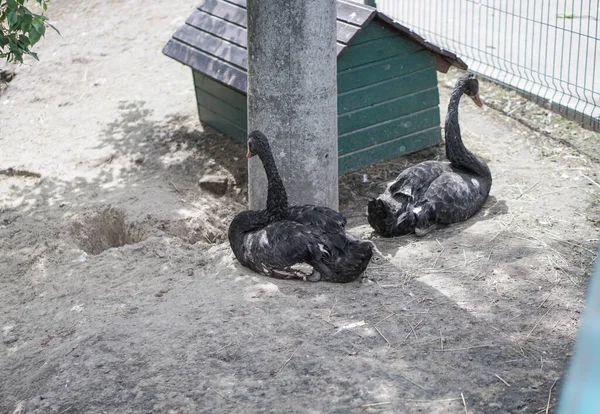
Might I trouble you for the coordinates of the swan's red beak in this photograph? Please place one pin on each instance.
(477, 100)
(249, 154)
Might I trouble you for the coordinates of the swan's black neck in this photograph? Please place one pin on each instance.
(277, 202)
(456, 152)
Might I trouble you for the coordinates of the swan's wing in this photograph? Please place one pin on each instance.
(454, 197)
(415, 180)
(274, 249)
(318, 219)
(280, 245)
(326, 224)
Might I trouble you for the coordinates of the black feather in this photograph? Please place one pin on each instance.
(435, 192)
(273, 240)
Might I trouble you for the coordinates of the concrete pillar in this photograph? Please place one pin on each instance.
(292, 97)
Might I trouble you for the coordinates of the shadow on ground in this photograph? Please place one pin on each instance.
(125, 299)
(146, 184)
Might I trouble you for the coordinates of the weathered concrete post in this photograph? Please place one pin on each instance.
(292, 97)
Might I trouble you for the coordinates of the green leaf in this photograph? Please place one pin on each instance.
(12, 42)
(566, 16)
(12, 19)
(20, 28)
(17, 55)
(55, 29)
(26, 21)
(34, 36)
(38, 25)
(24, 42)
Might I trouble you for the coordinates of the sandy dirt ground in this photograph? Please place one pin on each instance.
(119, 295)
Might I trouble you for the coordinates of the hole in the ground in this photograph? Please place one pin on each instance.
(105, 230)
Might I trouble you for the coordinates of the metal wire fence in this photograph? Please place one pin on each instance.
(548, 50)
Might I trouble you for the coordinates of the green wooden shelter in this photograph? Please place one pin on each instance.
(388, 99)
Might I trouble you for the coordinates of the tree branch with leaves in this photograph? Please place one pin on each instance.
(21, 28)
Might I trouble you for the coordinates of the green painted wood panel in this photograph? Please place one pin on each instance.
(224, 92)
(387, 100)
(221, 107)
(367, 52)
(385, 111)
(386, 90)
(389, 130)
(208, 117)
(381, 70)
(374, 30)
(233, 115)
(389, 150)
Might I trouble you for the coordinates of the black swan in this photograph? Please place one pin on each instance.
(271, 241)
(436, 192)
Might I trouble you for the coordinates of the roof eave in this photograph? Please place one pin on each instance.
(444, 58)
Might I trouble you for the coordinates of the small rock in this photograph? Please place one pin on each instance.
(9, 340)
(216, 184)
(161, 292)
(190, 272)
(7, 76)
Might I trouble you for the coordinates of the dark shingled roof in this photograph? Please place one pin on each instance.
(213, 39)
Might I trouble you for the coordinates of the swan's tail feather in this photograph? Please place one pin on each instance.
(347, 265)
(389, 223)
(380, 217)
